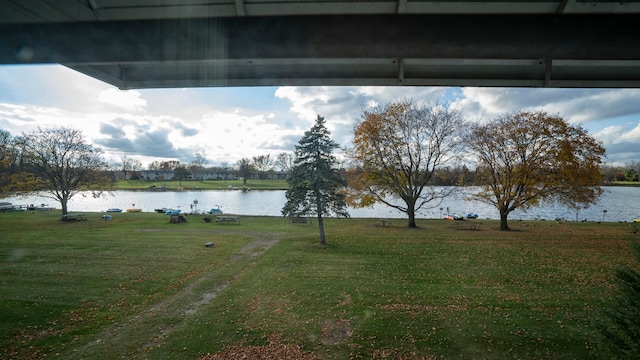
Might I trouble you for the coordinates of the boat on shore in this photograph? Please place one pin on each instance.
(42, 207)
(134, 210)
(114, 210)
(216, 211)
(7, 206)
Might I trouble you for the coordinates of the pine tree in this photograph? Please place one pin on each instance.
(314, 183)
(621, 330)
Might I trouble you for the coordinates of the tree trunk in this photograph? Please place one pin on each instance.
(503, 219)
(323, 241)
(412, 219)
(411, 212)
(63, 203)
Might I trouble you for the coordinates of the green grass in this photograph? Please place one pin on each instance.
(201, 184)
(140, 287)
(624, 183)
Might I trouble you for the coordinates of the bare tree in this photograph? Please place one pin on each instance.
(63, 164)
(225, 169)
(135, 166)
(164, 165)
(198, 164)
(397, 150)
(285, 162)
(128, 165)
(263, 164)
(245, 169)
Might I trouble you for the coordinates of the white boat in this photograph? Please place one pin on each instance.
(42, 207)
(6, 206)
(114, 210)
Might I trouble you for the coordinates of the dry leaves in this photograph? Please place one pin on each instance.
(275, 350)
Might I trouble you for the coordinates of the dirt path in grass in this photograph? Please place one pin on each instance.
(151, 326)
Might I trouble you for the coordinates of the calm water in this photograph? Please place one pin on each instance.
(620, 203)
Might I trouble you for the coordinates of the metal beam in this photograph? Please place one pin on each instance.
(455, 50)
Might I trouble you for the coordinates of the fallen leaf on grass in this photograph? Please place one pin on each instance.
(275, 350)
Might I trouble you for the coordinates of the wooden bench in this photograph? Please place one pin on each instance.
(470, 225)
(227, 219)
(298, 220)
(73, 217)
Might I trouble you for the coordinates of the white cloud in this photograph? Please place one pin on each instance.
(575, 105)
(616, 134)
(230, 123)
(342, 106)
(633, 135)
(128, 100)
(231, 136)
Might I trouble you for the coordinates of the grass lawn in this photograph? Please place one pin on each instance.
(201, 184)
(140, 287)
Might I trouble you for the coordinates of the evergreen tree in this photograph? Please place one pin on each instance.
(314, 183)
(621, 331)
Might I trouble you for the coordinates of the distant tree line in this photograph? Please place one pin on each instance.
(258, 168)
(629, 172)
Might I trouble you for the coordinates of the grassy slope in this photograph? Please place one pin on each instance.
(140, 287)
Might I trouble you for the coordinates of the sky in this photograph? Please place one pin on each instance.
(227, 124)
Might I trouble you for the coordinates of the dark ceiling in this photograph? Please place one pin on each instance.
(188, 43)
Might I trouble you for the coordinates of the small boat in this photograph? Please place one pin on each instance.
(636, 221)
(216, 211)
(114, 210)
(454, 217)
(172, 212)
(42, 207)
(161, 210)
(471, 216)
(6, 206)
(134, 210)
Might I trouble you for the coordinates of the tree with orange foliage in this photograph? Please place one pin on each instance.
(398, 148)
(527, 157)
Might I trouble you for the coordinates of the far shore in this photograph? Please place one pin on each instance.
(238, 185)
(194, 185)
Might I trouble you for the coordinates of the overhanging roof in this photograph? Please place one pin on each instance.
(162, 43)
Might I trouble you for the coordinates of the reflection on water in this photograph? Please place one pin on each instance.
(620, 203)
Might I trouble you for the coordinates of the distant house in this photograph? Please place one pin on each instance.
(213, 174)
(271, 175)
(156, 174)
(129, 175)
(207, 174)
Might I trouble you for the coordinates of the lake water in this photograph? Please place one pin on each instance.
(620, 203)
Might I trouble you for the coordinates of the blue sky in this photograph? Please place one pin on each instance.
(227, 124)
